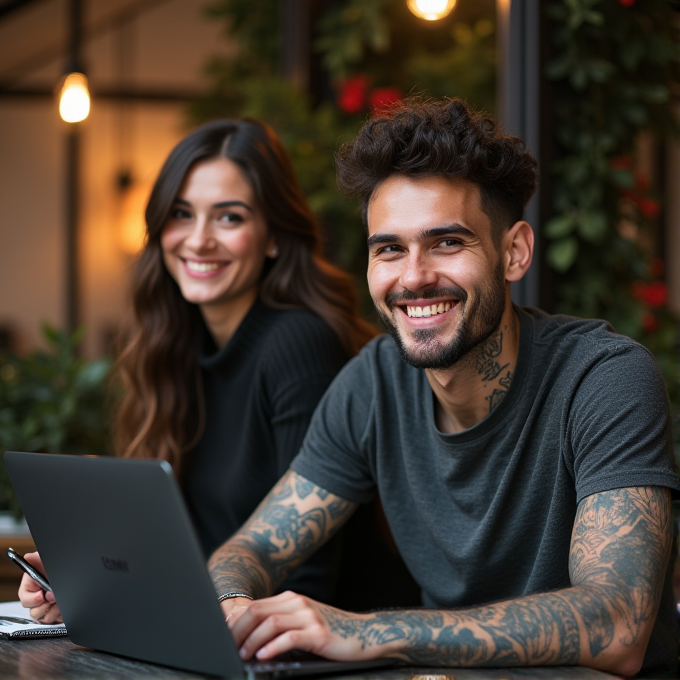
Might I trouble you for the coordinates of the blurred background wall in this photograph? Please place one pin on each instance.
(145, 58)
(157, 67)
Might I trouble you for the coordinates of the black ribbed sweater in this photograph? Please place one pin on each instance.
(260, 392)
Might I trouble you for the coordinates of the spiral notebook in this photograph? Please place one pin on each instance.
(16, 624)
(126, 568)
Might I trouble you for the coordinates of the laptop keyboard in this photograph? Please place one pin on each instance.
(284, 662)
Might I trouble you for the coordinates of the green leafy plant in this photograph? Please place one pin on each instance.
(613, 66)
(52, 401)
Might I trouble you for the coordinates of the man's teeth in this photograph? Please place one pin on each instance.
(429, 310)
(202, 266)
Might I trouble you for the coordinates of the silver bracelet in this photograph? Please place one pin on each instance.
(232, 594)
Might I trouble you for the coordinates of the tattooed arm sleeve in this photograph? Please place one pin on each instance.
(293, 521)
(620, 547)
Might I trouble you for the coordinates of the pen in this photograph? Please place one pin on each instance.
(39, 578)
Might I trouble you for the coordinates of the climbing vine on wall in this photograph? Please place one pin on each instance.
(613, 69)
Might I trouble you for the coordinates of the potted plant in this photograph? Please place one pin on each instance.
(52, 401)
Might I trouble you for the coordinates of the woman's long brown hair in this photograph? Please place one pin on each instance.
(161, 413)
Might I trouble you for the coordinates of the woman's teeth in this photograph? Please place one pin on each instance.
(202, 266)
(429, 310)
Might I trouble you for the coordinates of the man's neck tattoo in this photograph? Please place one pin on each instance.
(490, 369)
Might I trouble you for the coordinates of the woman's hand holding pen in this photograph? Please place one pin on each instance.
(42, 605)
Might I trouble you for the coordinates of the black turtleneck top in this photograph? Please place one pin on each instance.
(260, 392)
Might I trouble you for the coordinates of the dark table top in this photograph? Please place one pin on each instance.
(60, 658)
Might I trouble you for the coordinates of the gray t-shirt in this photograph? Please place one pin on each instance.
(486, 514)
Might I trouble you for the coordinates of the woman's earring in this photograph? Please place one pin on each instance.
(274, 252)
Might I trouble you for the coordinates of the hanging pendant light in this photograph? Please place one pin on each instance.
(431, 10)
(74, 98)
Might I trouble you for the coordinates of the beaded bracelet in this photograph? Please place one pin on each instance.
(234, 593)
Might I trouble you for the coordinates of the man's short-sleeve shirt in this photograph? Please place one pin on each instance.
(486, 514)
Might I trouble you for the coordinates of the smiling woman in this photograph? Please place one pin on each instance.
(215, 244)
(239, 327)
(228, 233)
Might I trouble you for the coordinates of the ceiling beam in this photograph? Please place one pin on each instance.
(149, 96)
(58, 49)
(9, 6)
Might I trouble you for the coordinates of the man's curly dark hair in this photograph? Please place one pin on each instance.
(446, 138)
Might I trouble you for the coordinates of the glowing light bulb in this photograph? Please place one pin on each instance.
(74, 98)
(431, 10)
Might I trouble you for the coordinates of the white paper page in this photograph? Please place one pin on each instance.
(14, 619)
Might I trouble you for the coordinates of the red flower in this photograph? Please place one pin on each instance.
(352, 95)
(384, 97)
(655, 294)
(649, 208)
(649, 322)
(627, 3)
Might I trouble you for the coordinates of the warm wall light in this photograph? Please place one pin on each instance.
(74, 98)
(132, 226)
(431, 10)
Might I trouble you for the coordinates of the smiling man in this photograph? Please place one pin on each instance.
(523, 460)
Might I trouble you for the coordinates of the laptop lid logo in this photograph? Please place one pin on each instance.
(112, 564)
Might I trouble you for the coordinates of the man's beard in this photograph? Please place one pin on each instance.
(478, 322)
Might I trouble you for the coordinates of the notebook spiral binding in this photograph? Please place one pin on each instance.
(45, 632)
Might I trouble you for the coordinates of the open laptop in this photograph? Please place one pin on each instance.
(126, 567)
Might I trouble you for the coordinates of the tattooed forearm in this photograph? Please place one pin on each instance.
(620, 549)
(522, 632)
(295, 519)
(238, 571)
(538, 630)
